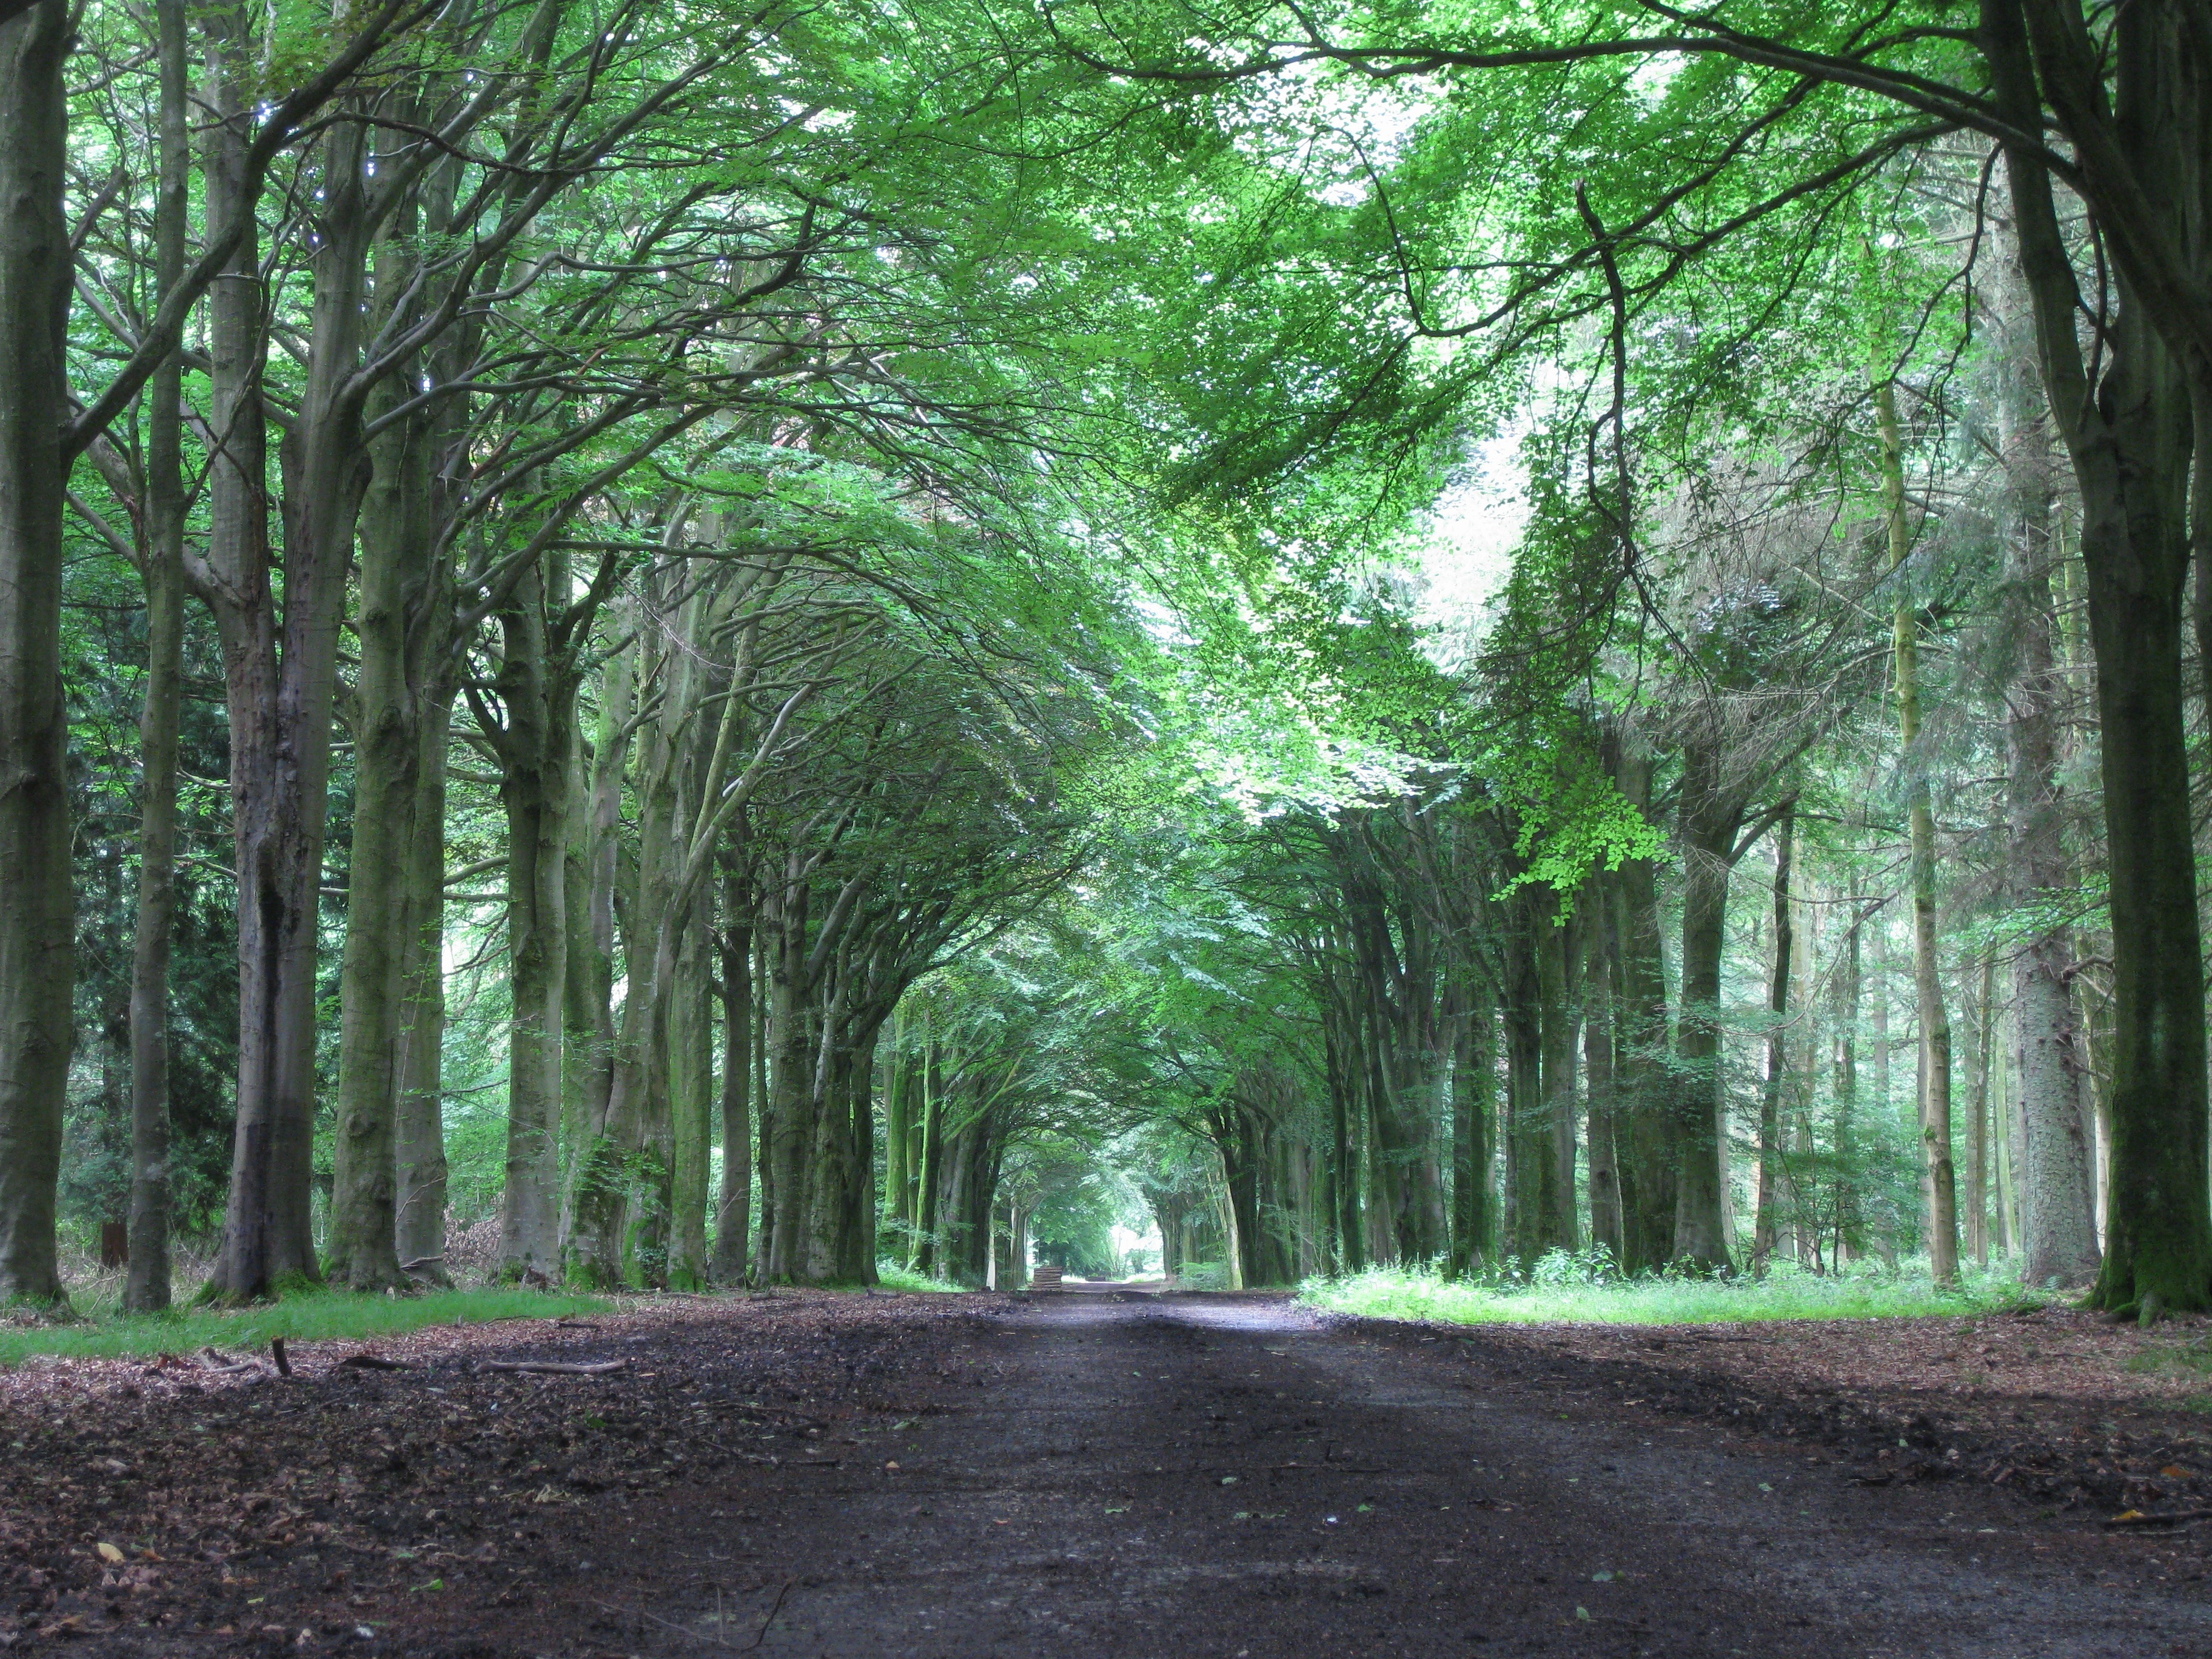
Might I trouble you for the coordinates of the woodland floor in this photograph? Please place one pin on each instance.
(1116, 1474)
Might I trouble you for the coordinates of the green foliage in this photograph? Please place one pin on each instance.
(1571, 1293)
(1203, 1276)
(105, 640)
(897, 1276)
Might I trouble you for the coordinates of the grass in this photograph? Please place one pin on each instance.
(2186, 1357)
(303, 1316)
(1788, 1292)
(896, 1276)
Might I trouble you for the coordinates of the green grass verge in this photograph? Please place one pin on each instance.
(895, 1276)
(303, 1316)
(1790, 1293)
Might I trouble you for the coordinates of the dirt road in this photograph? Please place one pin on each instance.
(1197, 1476)
(1085, 1474)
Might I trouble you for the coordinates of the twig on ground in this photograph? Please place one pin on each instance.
(761, 1636)
(681, 1630)
(377, 1362)
(547, 1368)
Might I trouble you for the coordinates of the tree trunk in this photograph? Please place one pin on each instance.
(1804, 1193)
(860, 1256)
(2053, 1173)
(1474, 1069)
(146, 1286)
(733, 1214)
(2129, 432)
(1644, 1118)
(2059, 1235)
(1941, 1186)
(1709, 819)
(37, 917)
(1559, 970)
(1526, 1152)
(1885, 1051)
(623, 1235)
(831, 1177)
(536, 745)
(281, 744)
(1599, 972)
(1380, 1199)
(2158, 1254)
(1977, 1150)
(763, 1105)
(419, 1149)
(933, 1155)
(789, 1075)
(1343, 1140)
(911, 1190)
(593, 867)
(1774, 1198)
(383, 898)
(1850, 1241)
(691, 1073)
(1240, 1172)
(265, 1229)
(898, 1128)
(2008, 1220)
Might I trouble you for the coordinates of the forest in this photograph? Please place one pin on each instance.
(683, 643)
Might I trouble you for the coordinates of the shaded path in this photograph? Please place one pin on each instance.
(1141, 1476)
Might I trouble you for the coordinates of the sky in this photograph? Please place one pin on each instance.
(1468, 552)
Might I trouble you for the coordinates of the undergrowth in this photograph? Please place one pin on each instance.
(302, 1316)
(1568, 1290)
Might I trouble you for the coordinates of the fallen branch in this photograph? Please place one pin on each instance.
(547, 1368)
(2134, 1519)
(741, 1409)
(376, 1361)
(573, 1325)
